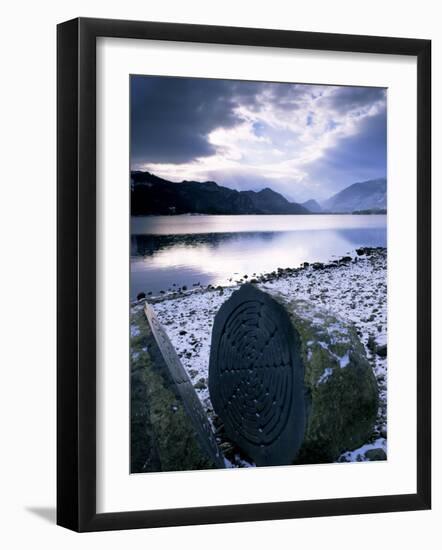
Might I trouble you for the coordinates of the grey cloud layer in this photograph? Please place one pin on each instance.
(172, 117)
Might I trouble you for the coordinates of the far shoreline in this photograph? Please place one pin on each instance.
(197, 214)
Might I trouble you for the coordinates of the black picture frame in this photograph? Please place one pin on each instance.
(76, 273)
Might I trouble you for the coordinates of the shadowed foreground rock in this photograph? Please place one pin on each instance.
(169, 428)
(290, 381)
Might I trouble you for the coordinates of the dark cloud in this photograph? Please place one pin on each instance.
(347, 98)
(359, 157)
(367, 150)
(172, 117)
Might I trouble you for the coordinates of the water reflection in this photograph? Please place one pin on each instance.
(162, 261)
(148, 245)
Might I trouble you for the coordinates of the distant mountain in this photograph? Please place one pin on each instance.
(312, 205)
(153, 195)
(365, 195)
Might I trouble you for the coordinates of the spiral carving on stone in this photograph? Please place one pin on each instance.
(255, 377)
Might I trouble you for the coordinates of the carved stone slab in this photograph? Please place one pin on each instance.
(256, 377)
(184, 388)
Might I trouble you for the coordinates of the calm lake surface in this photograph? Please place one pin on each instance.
(168, 252)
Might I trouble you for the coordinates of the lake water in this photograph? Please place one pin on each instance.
(168, 252)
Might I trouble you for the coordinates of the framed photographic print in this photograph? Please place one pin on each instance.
(243, 274)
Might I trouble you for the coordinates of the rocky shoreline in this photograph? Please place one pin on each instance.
(354, 287)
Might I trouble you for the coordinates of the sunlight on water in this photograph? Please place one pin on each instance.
(180, 225)
(168, 252)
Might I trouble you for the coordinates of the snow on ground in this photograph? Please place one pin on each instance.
(354, 288)
(359, 455)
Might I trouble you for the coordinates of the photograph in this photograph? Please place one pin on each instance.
(258, 273)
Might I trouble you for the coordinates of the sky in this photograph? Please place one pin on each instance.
(304, 141)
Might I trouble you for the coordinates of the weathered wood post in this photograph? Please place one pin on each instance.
(290, 381)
